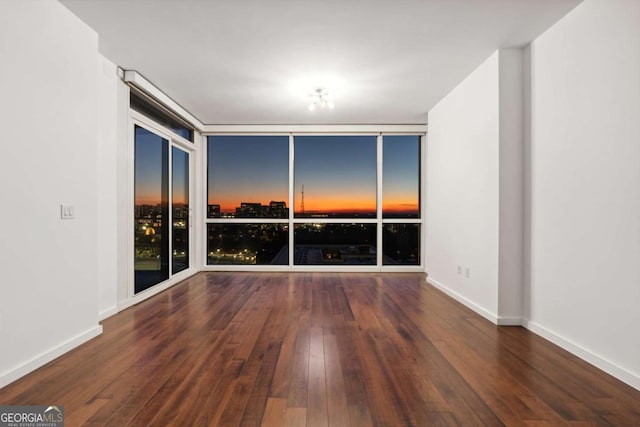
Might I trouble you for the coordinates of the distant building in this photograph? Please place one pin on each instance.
(213, 211)
(149, 211)
(257, 210)
(249, 210)
(278, 210)
(180, 211)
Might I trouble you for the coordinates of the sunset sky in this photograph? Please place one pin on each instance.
(401, 174)
(338, 173)
(151, 153)
(248, 169)
(180, 176)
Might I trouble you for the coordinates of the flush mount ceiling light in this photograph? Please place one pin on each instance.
(320, 99)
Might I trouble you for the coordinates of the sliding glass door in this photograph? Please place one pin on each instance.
(161, 208)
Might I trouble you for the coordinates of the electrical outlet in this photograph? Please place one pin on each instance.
(467, 272)
(459, 269)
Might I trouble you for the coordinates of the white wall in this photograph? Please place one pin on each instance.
(48, 82)
(474, 190)
(463, 191)
(108, 82)
(511, 164)
(124, 183)
(584, 185)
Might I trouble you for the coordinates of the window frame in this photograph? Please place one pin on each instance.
(292, 220)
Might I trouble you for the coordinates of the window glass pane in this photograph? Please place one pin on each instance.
(335, 176)
(259, 244)
(180, 206)
(401, 176)
(401, 244)
(248, 177)
(335, 244)
(151, 231)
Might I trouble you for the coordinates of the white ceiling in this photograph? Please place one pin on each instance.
(256, 61)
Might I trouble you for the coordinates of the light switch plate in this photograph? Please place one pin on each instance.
(67, 212)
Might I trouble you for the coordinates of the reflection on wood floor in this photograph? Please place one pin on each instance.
(319, 349)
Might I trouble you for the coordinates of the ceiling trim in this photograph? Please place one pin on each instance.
(341, 129)
(134, 78)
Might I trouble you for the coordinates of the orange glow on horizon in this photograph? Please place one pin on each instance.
(400, 206)
(321, 206)
(325, 205)
(153, 199)
(342, 204)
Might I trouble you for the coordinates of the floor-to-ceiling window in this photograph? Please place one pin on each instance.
(335, 183)
(401, 199)
(326, 201)
(248, 200)
(162, 204)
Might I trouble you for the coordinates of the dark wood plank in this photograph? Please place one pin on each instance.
(254, 411)
(317, 414)
(300, 367)
(282, 376)
(353, 375)
(275, 413)
(337, 410)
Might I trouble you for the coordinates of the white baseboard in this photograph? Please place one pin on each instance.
(107, 313)
(49, 355)
(509, 321)
(599, 362)
(497, 320)
(470, 304)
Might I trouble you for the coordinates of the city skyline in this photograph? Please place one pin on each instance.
(314, 244)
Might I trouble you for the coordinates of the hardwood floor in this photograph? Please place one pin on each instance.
(317, 349)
